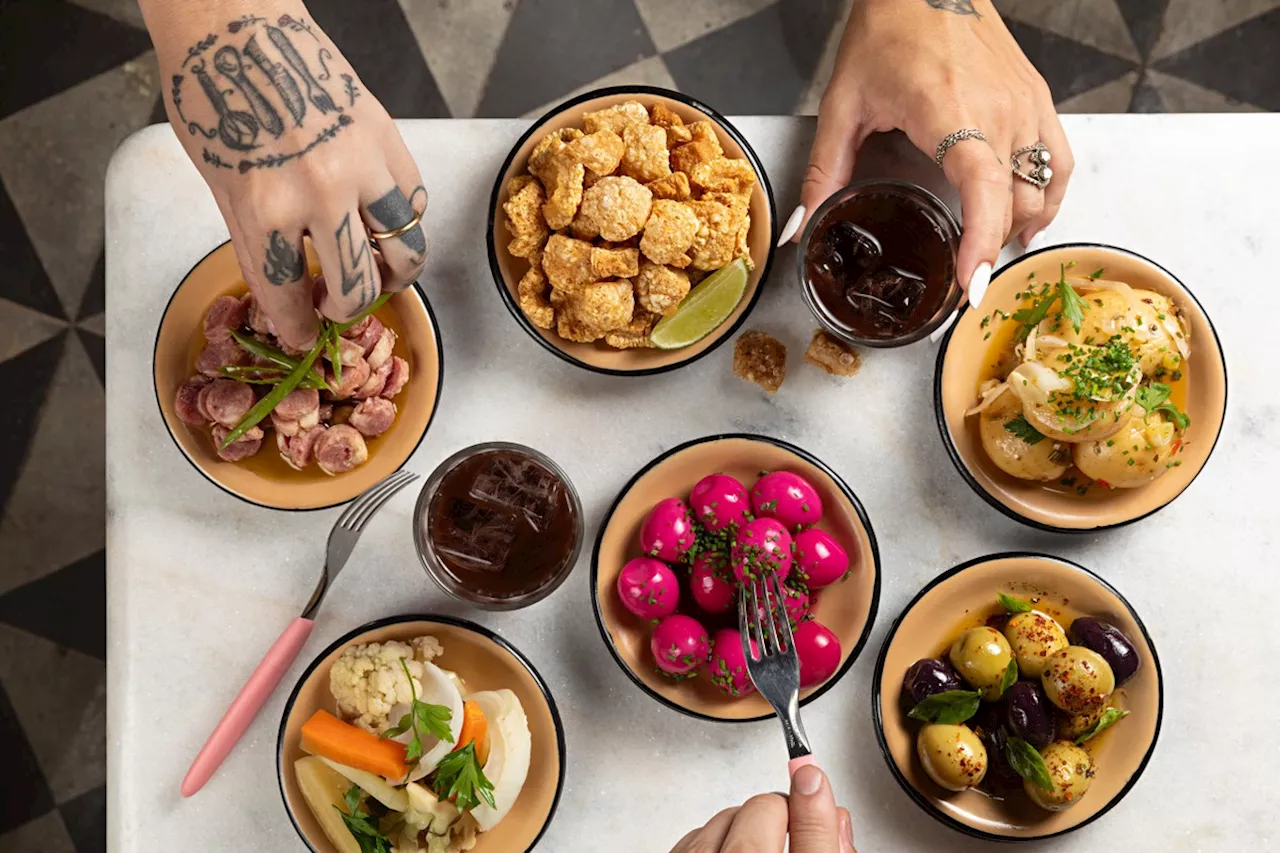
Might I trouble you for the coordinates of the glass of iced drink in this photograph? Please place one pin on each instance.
(878, 263)
(498, 525)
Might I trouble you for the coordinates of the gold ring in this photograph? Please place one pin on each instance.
(397, 232)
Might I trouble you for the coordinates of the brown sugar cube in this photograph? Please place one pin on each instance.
(832, 355)
(760, 358)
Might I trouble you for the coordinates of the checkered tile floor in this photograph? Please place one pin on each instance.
(97, 82)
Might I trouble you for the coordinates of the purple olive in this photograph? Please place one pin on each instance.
(926, 677)
(1110, 642)
(1027, 714)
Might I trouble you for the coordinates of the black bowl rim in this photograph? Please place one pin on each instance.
(807, 457)
(878, 720)
(435, 404)
(722, 333)
(954, 454)
(456, 622)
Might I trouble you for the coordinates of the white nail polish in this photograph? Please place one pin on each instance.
(793, 225)
(978, 284)
(937, 333)
(1037, 241)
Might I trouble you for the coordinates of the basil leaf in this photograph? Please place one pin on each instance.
(1013, 604)
(1010, 677)
(1027, 763)
(949, 707)
(1109, 718)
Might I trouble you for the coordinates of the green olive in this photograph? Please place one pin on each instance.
(1071, 726)
(981, 656)
(1071, 772)
(1078, 680)
(953, 756)
(1034, 636)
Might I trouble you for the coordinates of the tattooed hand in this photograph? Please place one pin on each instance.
(289, 141)
(930, 68)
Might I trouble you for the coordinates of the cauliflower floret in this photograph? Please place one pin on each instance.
(368, 681)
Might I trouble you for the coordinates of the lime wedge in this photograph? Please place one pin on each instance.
(705, 308)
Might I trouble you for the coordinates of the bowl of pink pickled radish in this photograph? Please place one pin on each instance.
(695, 524)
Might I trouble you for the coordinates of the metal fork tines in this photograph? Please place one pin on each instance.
(346, 531)
(773, 664)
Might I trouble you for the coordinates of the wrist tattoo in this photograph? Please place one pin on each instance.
(285, 263)
(251, 86)
(958, 7)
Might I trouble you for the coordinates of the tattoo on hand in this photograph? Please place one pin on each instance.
(285, 263)
(355, 260)
(958, 7)
(241, 112)
(353, 91)
(392, 211)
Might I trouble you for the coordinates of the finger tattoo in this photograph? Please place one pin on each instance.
(285, 263)
(355, 261)
(392, 211)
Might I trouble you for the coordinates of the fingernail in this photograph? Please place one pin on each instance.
(937, 333)
(793, 225)
(846, 834)
(808, 780)
(978, 284)
(1037, 241)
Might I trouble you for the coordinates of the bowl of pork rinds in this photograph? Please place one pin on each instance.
(630, 230)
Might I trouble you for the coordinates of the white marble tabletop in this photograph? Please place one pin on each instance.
(199, 583)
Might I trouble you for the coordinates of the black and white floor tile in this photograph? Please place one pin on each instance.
(97, 82)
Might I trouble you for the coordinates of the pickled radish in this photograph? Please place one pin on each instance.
(648, 588)
(819, 651)
(719, 501)
(761, 548)
(789, 498)
(728, 666)
(820, 560)
(668, 532)
(680, 645)
(710, 584)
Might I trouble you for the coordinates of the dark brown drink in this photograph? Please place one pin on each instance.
(501, 525)
(879, 263)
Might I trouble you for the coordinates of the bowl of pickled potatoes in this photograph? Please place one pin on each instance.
(1087, 391)
(1017, 697)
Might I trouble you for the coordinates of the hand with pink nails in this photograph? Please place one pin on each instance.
(931, 68)
(808, 816)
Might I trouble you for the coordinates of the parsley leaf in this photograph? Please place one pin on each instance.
(422, 716)
(1155, 398)
(1031, 317)
(361, 825)
(1073, 307)
(460, 775)
(1023, 429)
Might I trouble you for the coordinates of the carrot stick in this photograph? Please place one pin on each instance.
(475, 727)
(327, 736)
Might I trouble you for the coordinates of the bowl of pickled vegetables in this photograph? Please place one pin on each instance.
(1017, 697)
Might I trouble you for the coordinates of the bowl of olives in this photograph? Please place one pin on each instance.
(1017, 697)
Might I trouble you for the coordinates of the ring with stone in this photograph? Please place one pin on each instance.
(1037, 171)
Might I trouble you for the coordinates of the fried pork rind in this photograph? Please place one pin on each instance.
(541, 159)
(669, 233)
(717, 235)
(524, 218)
(616, 208)
(672, 125)
(532, 294)
(517, 183)
(674, 186)
(704, 148)
(615, 263)
(615, 118)
(599, 152)
(646, 157)
(636, 334)
(761, 359)
(833, 356)
(566, 194)
(741, 246)
(603, 306)
(739, 220)
(571, 330)
(660, 289)
(567, 263)
(724, 175)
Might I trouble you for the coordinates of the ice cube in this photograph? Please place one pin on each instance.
(887, 297)
(856, 251)
(518, 484)
(478, 537)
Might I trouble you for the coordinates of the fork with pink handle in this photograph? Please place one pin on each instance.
(772, 661)
(342, 539)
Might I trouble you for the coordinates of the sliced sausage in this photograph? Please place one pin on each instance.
(242, 448)
(257, 318)
(373, 417)
(228, 401)
(349, 352)
(219, 354)
(381, 352)
(339, 449)
(326, 412)
(357, 330)
(377, 380)
(302, 447)
(370, 335)
(187, 401)
(397, 378)
(297, 404)
(284, 427)
(352, 378)
(226, 313)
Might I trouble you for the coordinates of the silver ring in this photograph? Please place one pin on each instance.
(952, 138)
(1038, 173)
